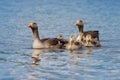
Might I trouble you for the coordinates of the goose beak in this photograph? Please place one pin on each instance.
(77, 23)
(30, 25)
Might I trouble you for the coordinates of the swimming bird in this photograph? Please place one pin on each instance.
(61, 37)
(72, 44)
(46, 42)
(90, 42)
(80, 25)
(81, 38)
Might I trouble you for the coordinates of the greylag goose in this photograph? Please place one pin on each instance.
(90, 42)
(72, 44)
(94, 34)
(44, 43)
(60, 36)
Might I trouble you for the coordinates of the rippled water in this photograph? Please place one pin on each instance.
(54, 17)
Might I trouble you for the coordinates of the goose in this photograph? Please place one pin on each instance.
(61, 37)
(80, 25)
(81, 38)
(72, 44)
(90, 42)
(46, 42)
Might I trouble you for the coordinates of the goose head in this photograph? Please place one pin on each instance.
(32, 25)
(60, 36)
(72, 38)
(79, 23)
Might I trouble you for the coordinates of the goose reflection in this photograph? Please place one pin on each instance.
(36, 54)
(77, 55)
(89, 51)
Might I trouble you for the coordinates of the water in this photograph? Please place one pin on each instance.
(54, 17)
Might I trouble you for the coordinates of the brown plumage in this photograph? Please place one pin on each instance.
(90, 42)
(60, 36)
(46, 42)
(72, 44)
(80, 25)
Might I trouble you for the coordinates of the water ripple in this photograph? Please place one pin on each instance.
(18, 61)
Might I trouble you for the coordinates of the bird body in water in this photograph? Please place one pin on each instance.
(72, 44)
(46, 42)
(80, 25)
(91, 42)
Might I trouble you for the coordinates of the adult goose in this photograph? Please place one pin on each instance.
(72, 44)
(80, 25)
(46, 42)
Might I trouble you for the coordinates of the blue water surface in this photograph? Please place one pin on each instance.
(54, 17)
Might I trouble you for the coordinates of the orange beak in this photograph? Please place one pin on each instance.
(77, 23)
(30, 25)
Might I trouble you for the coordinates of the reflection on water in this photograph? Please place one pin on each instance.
(55, 63)
(90, 50)
(76, 56)
(36, 55)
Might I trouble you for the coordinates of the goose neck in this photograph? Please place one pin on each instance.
(36, 34)
(80, 27)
